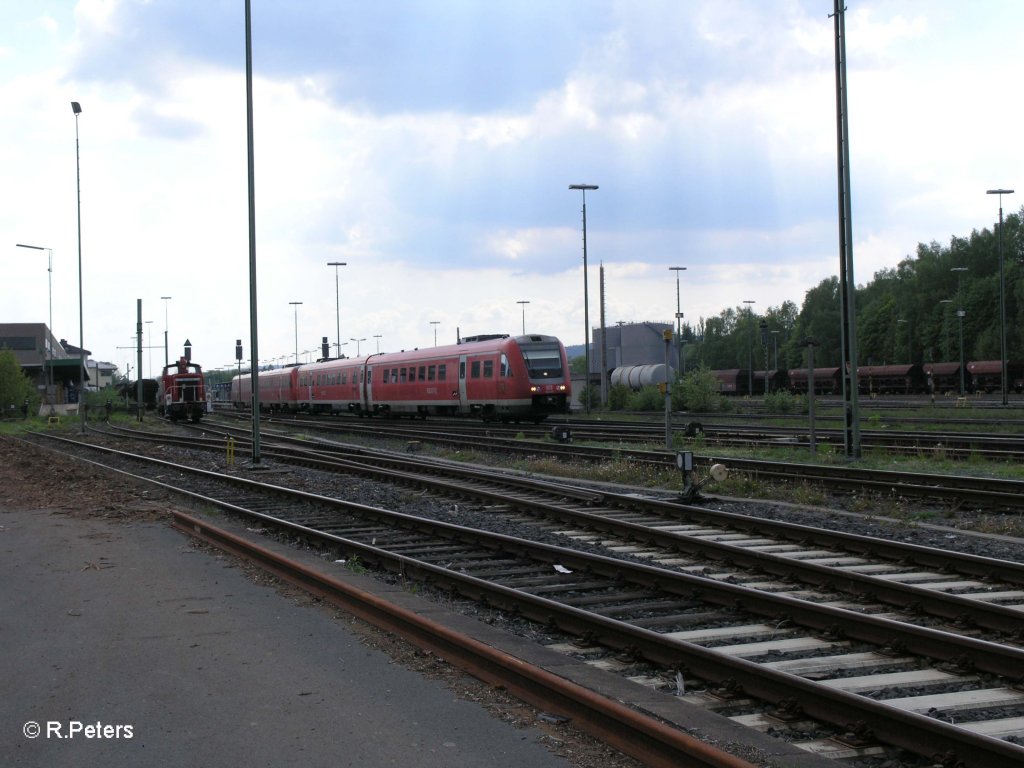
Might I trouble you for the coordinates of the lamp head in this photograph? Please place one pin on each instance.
(76, 107)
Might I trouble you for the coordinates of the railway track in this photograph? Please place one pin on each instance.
(955, 490)
(759, 650)
(958, 444)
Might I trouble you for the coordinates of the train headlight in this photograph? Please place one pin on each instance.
(533, 389)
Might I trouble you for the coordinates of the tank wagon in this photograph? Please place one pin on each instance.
(494, 377)
(182, 393)
(638, 376)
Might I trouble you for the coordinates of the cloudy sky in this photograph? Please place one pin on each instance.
(429, 144)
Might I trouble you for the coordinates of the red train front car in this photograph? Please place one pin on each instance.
(182, 392)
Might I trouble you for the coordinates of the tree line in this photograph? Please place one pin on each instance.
(906, 314)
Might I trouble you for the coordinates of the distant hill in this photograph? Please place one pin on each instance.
(576, 350)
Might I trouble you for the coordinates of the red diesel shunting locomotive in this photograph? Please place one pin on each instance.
(182, 392)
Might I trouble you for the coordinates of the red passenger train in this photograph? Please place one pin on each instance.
(497, 378)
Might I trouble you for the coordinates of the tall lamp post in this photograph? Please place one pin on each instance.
(378, 337)
(750, 345)
(1002, 290)
(357, 341)
(523, 305)
(435, 323)
(296, 304)
(167, 361)
(77, 109)
(337, 300)
(679, 323)
(586, 295)
(47, 352)
(960, 317)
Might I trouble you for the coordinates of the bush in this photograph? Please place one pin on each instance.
(618, 397)
(16, 388)
(697, 391)
(785, 402)
(590, 394)
(647, 399)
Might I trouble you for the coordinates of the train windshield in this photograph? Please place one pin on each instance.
(543, 361)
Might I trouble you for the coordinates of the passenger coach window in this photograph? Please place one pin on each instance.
(431, 372)
(442, 372)
(423, 373)
(504, 371)
(488, 369)
(401, 375)
(474, 370)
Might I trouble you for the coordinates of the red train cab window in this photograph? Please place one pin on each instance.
(504, 371)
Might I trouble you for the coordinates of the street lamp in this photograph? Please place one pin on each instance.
(750, 345)
(435, 323)
(337, 299)
(586, 293)
(296, 304)
(357, 341)
(167, 361)
(77, 109)
(960, 317)
(523, 305)
(378, 337)
(679, 324)
(1002, 290)
(48, 354)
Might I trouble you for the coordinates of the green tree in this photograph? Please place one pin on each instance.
(698, 391)
(15, 387)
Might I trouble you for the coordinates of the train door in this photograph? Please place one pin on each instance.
(463, 398)
(365, 374)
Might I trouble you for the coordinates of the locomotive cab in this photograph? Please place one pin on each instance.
(548, 372)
